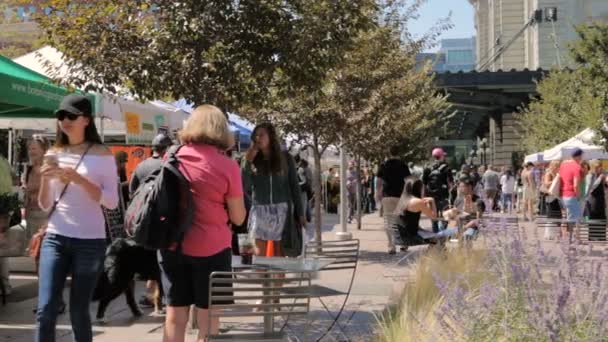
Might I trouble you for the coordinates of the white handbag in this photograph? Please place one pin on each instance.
(555, 188)
(267, 221)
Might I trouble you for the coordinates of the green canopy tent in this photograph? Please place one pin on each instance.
(25, 93)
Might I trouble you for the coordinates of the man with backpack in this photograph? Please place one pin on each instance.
(160, 144)
(437, 179)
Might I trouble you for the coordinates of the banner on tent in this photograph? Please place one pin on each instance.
(143, 127)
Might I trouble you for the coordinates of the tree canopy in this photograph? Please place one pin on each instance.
(571, 100)
(386, 98)
(230, 53)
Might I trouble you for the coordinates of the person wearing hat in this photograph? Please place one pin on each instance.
(438, 180)
(78, 176)
(160, 144)
(571, 177)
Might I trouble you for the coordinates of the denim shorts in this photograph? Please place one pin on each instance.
(574, 212)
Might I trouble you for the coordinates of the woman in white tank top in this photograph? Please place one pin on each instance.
(78, 177)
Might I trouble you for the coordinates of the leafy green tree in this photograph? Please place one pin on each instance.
(17, 37)
(570, 101)
(376, 97)
(386, 98)
(229, 53)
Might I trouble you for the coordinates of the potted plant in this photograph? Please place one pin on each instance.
(9, 202)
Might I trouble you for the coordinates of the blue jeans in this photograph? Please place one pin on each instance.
(60, 256)
(574, 212)
(506, 200)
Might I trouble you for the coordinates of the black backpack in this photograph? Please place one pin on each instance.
(161, 210)
(437, 182)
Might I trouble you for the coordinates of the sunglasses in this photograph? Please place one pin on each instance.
(63, 115)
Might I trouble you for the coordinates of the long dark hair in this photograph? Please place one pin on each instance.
(276, 161)
(413, 187)
(90, 133)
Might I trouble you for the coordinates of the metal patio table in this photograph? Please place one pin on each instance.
(295, 265)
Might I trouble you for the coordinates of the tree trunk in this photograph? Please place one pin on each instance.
(317, 188)
(358, 190)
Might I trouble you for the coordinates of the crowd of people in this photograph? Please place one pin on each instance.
(267, 193)
(70, 184)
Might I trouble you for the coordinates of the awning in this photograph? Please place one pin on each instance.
(25, 93)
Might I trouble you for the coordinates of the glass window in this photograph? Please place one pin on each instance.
(460, 57)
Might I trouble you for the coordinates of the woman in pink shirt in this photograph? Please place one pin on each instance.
(571, 175)
(217, 191)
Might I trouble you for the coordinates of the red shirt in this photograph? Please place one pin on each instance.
(213, 178)
(567, 172)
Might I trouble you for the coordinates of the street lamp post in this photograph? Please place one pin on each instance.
(473, 155)
(343, 234)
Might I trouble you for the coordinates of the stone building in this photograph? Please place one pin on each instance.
(540, 39)
(519, 35)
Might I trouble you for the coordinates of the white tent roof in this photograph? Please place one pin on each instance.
(36, 61)
(535, 157)
(584, 141)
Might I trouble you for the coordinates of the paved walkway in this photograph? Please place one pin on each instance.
(376, 283)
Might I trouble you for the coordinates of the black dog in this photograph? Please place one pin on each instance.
(124, 259)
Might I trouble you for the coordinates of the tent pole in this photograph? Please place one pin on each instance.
(10, 146)
(103, 138)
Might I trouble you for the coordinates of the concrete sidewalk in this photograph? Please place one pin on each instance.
(377, 282)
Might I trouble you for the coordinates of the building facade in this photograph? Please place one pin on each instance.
(525, 34)
(512, 35)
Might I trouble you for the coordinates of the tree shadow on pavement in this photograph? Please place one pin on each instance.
(383, 258)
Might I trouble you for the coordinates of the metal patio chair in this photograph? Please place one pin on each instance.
(593, 231)
(345, 257)
(281, 293)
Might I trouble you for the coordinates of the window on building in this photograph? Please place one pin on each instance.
(460, 57)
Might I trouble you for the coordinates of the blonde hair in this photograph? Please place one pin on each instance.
(554, 165)
(594, 164)
(207, 125)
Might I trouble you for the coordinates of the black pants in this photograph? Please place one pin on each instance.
(441, 203)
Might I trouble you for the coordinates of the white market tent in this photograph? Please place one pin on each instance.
(113, 113)
(584, 140)
(534, 158)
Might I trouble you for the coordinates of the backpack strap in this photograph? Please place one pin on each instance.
(171, 154)
(171, 164)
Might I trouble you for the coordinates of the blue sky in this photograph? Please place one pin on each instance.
(462, 18)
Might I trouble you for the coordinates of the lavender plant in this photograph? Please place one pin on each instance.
(527, 292)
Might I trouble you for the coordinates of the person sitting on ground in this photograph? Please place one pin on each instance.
(470, 208)
(409, 209)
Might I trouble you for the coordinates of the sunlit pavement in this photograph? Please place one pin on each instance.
(377, 283)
